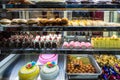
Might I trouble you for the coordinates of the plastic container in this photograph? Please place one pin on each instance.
(85, 75)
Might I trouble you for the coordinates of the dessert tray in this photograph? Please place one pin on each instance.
(85, 75)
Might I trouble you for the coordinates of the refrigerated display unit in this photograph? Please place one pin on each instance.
(84, 35)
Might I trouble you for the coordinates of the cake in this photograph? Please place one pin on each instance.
(30, 71)
(49, 71)
(44, 58)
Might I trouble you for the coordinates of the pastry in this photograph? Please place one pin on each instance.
(65, 45)
(5, 21)
(77, 45)
(88, 45)
(14, 21)
(30, 71)
(48, 43)
(83, 45)
(105, 42)
(32, 21)
(20, 2)
(72, 44)
(64, 21)
(54, 43)
(49, 71)
(22, 21)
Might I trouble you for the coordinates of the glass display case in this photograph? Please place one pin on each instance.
(59, 40)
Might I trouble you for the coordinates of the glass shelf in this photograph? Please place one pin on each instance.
(57, 50)
(58, 28)
(63, 5)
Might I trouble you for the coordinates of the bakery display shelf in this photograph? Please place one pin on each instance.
(11, 72)
(58, 28)
(63, 5)
(38, 51)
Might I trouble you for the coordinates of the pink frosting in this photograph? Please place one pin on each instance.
(83, 45)
(44, 58)
(72, 44)
(77, 45)
(88, 45)
(65, 45)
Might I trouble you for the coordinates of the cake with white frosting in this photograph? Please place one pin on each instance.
(49, 71)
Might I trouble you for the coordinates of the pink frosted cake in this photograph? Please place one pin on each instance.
(44, 58)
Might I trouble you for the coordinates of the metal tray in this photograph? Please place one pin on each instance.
(85, 75)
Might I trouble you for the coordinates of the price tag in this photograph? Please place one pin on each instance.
(1, 28)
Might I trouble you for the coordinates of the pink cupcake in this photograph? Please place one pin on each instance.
(71, 44)
(77, 45)
(65, 45)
